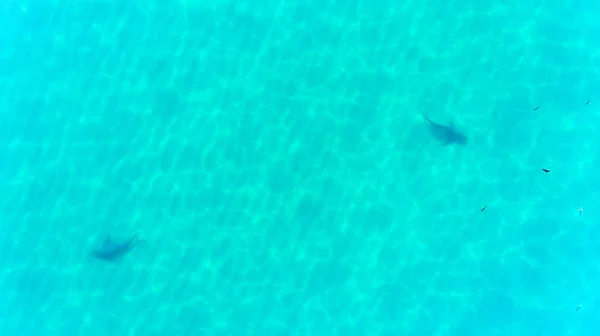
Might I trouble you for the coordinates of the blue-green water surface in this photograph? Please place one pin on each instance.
(274, 157)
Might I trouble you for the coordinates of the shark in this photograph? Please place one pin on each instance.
(112, 251)
(447, 134)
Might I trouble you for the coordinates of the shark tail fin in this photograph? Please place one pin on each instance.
(135, 239)
(426, 118)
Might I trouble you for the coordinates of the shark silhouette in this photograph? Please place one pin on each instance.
(111, 250)
(447, 134)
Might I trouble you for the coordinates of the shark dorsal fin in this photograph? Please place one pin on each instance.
(107, 240)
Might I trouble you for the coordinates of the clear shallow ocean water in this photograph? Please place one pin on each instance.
(274, 157)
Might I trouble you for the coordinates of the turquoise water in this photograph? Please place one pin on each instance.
(274, 157)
